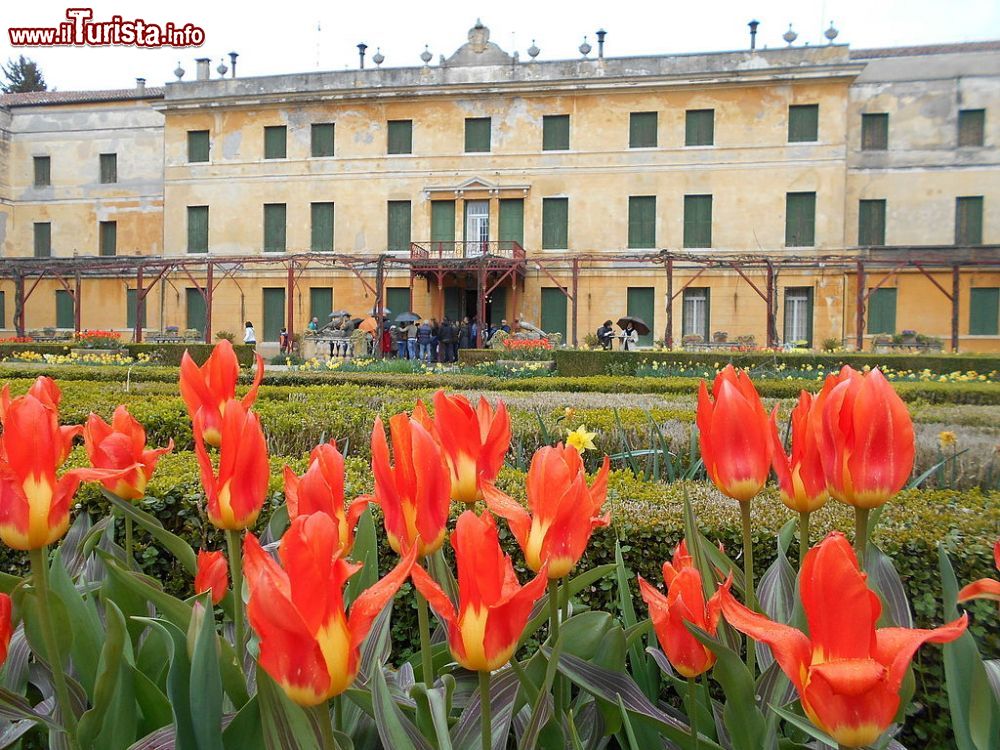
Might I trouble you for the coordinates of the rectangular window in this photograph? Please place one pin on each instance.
(274, 313)
(511, 222)
(800, 219)
(555, 223)
(3, 309)
(642, 130)
(397, 299)
(642, 221)
(65, 309)
(43, 171)
(321, 143)
(803, 123)
(198, 145)
(984, 311)
(697, 221)
(197, 218)
(43, 239)
(399, 227)
(442, 224)
(108, 231)
(322, 227)
(695, 312)
(275, 138)
(875, 131)
(871, 222)
(639, 304)
(553, 311)
(971, 127)
(109, 168)
(799, 316)
(131, 303)
(555, 133)
(699, 127)
(274, 227)
(477, 134)
(196, 311)
(321, 304)
(400, 138)
(882, 310)
(969, 220)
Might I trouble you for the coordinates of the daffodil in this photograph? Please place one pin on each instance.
(947, 439)
(581, 439)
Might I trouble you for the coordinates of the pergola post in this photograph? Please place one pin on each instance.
(859, 312)
(669, 338)
(77, 327)
(140, 306)
(480, 304)
(290, 302)
(955, 287)
(574, 300)
(19, 317)
(209, 288)
(379, 308)
(772, 332)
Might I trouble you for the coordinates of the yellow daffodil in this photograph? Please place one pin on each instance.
(581, 439)
(947, 439)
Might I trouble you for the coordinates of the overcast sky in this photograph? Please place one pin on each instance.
(303, 36)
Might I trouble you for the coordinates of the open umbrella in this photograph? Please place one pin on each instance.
(386, 312)
(355, 322)
(640, 325)
(407, 317)
(340, 314)
(368, 325)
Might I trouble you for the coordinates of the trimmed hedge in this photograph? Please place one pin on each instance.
(166, 354)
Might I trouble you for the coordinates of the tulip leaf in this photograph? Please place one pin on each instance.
(888, 585)
(113, 711)
(174, 544)
(244, 731)
(432, 711)
(993, 674)
(803, 724)
(15, 707)
(173, 610)
(540, 612)
(633, 743)
(178, 679)
(88, 633)
(641, 667)
(160, 739)
(206, 681)
(154, 706)
(504, 688)
(284, 723)
(365, 552)
(395, 730)
(776, 591)
(542, 708)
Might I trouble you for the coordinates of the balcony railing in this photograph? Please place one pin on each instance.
(466, 250)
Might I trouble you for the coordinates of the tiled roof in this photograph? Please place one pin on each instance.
(34, 98)
(925, 49)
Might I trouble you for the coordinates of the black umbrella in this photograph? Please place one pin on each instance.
(340, 314)
(355, 322)
(407, 317)
(640, 325)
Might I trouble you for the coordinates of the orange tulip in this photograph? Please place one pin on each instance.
(415, 494)
(847, 672)
(564, 511)
(6, 626)
(801, 480)
(236, 493)
(735, 435)
(309, 644)
(45, 390)
(212, 575)
(984, 588)
(207, 389)
(867, 442)
(34, 503)
(684, 602)
(474, 440)
(493, 607)
(321, 490)
(122, 445)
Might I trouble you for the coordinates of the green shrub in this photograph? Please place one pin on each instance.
(165, 354)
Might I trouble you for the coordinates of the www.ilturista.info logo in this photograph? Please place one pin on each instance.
(81, 31)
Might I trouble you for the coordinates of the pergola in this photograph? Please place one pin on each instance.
(497, 263)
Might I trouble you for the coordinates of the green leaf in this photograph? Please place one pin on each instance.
(88, 633)
(206, 682)
(641, 668)
(244, 731)
(284, 724)
(776, 592)
(16, 708)
(887, 583)
(627, 725)
(432, 711)
(365, 552)
(101, 719)
(540, 612)
(504, 688)
(173, 610)
(178, 679)
(154, 706)
(175, 545)
(802, 723)
(394, 728)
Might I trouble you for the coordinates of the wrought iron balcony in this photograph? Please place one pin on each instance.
(466, 250)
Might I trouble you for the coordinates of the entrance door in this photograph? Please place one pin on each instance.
(274, 313)
(477, 227)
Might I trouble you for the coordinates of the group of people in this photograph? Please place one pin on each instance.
(629, 336)
(431, 341)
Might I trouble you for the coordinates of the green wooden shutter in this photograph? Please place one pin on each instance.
(443, 223)
(197, 218)
(274, 313)
(882, 310)
(400, 137)
(971, 127)
(43, 239)
(397, 299)
(65, 315)
(512, 221)
(322, 139)
(274, 227)
(3, 309)
(640, 305)
(803, 123)
(498, 305)
(800, 219)
(984, 311)
(452, 303)
(399, 226)
(875, 131)
(477, 134)
(969, 220)
(109, 168)
(555, 223)
(871, 222)
(195, 310)
(275, 137)
(553, 311)
(321, 303)
(131, 302)
(642, 130)
(322, 227)
(699, 127)
(555, 133)
(108, 231)
(697, 221)
(43, 171)
(198, 145)
(642, 221)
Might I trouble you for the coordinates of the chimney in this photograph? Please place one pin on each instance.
(232, 63)
(361, 54)
(753, 33)
(203, 73)
(140, 86)
(601, 33)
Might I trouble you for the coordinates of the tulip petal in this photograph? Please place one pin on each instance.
(895, 647)
(984, 588)
(372, 600)
(501, 504)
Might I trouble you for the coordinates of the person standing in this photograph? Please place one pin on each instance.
(249, 335)
(630, 338)
(399, 337)
(463, 333)
(435, 340)
(425, 337)
(411, 339)
(447, 341)
(474, 334)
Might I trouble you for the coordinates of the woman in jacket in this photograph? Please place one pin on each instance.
(630, 338)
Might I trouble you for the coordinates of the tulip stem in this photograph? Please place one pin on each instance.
(693, 711)
(803, 537)
(861, 534)
(322, 712)
(39, 577)
(128, 542)
(338, 713)
(485, 717)
(564, 685)
(236, 569)
(424, 624)
(751, 597)
(554, 638)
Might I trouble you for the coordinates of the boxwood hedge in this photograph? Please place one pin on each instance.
(166, 354)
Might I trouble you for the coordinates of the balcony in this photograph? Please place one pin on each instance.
(458, 251)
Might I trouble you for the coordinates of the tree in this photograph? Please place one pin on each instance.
(22, 75)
